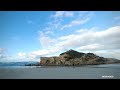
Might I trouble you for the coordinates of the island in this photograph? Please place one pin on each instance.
(75, 58)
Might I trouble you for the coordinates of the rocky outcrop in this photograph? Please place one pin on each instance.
(74, 58)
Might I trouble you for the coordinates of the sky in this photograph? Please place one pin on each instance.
(29, 35)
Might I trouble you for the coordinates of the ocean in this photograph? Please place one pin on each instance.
(105, 71)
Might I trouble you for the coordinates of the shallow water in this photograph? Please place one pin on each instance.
(106, 71)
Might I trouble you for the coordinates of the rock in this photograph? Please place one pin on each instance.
(71, 54)
(74, 58)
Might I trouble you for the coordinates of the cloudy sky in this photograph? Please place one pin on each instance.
(28, 35)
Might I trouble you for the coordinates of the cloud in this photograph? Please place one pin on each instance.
(104, 43)
(69, 14)
(117, 18)
(19, 57)
(90, 40)
(2, 50)
(35, 55)
(2, 53)
(74, 23)
(114, 54)
(61, 14)
(58, 14)
(108, 53)
(4, 57)
(92, 47)
(21, 54)
(45, 40)
(80, 19)
(49, 32)
(57, 19)
(43, 52)
(108, 38)
(30, 22)
(84, 30)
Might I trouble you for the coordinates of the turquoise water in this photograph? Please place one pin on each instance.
(106, 71)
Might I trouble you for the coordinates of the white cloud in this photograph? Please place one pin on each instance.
(114, 54)
(30, 22)
(103, 43)
(19, 57)
(84, 30)
(55, 21)
(90, 40)
(93, 40)
(55, 24)
(57, 18)
(44, 52)
(80, 19)
(69, 14)
(2, 50)
(117, 18)
(75, 23)
(58, 14)
(45, 40)
(2, 53)
(21, 54)
(35, 55)
(49, 32)
(108, 53)
(106, 37)
(92, 47)
(61, 14)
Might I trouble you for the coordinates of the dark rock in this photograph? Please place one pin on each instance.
(74, 58)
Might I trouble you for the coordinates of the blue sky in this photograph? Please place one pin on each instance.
(27, 35)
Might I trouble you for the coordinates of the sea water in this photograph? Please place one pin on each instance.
(105, 71)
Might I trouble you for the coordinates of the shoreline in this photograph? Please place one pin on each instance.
(71, 65)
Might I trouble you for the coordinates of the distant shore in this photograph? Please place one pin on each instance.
(69, 65)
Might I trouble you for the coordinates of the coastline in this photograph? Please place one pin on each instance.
(83, 65)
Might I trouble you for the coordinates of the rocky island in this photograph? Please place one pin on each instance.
(74, 58)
